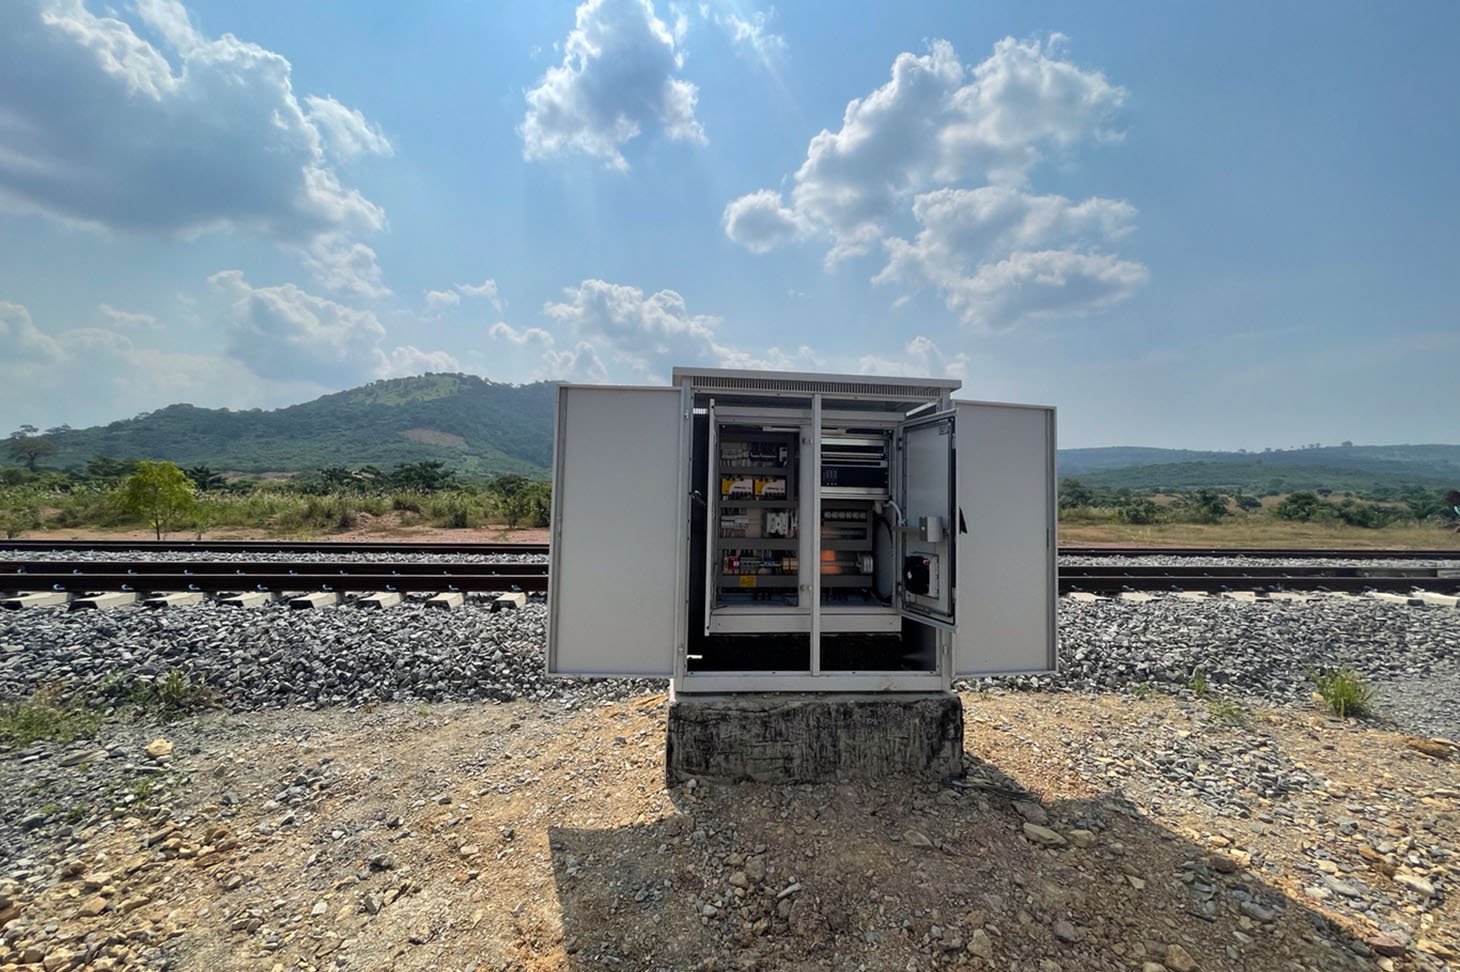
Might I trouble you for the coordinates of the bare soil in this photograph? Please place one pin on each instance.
(523, 837)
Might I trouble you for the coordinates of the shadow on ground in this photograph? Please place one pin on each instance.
(914, 875)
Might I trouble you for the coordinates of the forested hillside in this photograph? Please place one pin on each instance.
(477, 427)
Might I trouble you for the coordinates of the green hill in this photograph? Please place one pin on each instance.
(480, 428)
(1340, 468)
(477, 427)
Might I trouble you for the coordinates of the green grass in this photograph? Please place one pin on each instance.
(1344, 693)
(1198, 683)
(175, 695)
(1226, 711)
(45, 715)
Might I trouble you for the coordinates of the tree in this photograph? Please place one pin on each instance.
(1302, 506)
(107, 469)
(157, 491)
(1074, 493)
(204, 478)
(27, 447)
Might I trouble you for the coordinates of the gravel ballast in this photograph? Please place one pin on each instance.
(272, 656)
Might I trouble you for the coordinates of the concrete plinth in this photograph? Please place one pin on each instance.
(791, 738)
(446, 601)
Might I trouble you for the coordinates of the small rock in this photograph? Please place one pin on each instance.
(320, 907)
(1385, 944)
(159, 748)
(1152, 967)
(1082, 838)
(1179, 959)
(1031, 812)
(92, 907)
(917, 838)
(739, 880)
(1063, 930)
(1042, 835)
(980, 944)
(1415, 883)
(469, 850)
(1257, 912)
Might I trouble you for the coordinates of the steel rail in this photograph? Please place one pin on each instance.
(249, 568)
(440, 547)
(278, 546)
(277, 582)
(1296, 553)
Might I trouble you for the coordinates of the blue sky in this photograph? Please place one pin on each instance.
(1213, 226)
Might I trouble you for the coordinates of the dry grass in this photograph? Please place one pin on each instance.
(1260, 533)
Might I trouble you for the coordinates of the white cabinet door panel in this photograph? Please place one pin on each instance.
(617, 532)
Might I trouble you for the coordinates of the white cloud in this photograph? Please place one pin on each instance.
(617, 78)
(102, 127)
(486, 289)
(503, 331)
(986, 251)
(1043, 283)
(286, 334)
(122, 378)
(759, 222)
(921, 358)
(121, 318)
(405, 361)
(438, 300)
(22, 340)
(604, 329)
(347, 131)
(935, 123)
(996, 252)
(344, 265)
(752, 33)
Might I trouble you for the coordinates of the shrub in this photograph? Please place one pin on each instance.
(1141, 512)
(45, 716)
(1344, 693)
(1302, 506)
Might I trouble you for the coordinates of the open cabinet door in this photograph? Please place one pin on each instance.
(618, 532)
(1005, 578)
(927, 548)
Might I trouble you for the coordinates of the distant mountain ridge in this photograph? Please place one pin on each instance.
(481, 428)
(477, 427)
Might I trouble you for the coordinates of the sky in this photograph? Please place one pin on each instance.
(1204, 226)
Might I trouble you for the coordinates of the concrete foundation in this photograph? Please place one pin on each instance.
(790, 738)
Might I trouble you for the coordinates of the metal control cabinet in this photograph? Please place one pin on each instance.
(745, 531)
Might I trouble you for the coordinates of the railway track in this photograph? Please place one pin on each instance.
(541, 549)
(208, 576)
